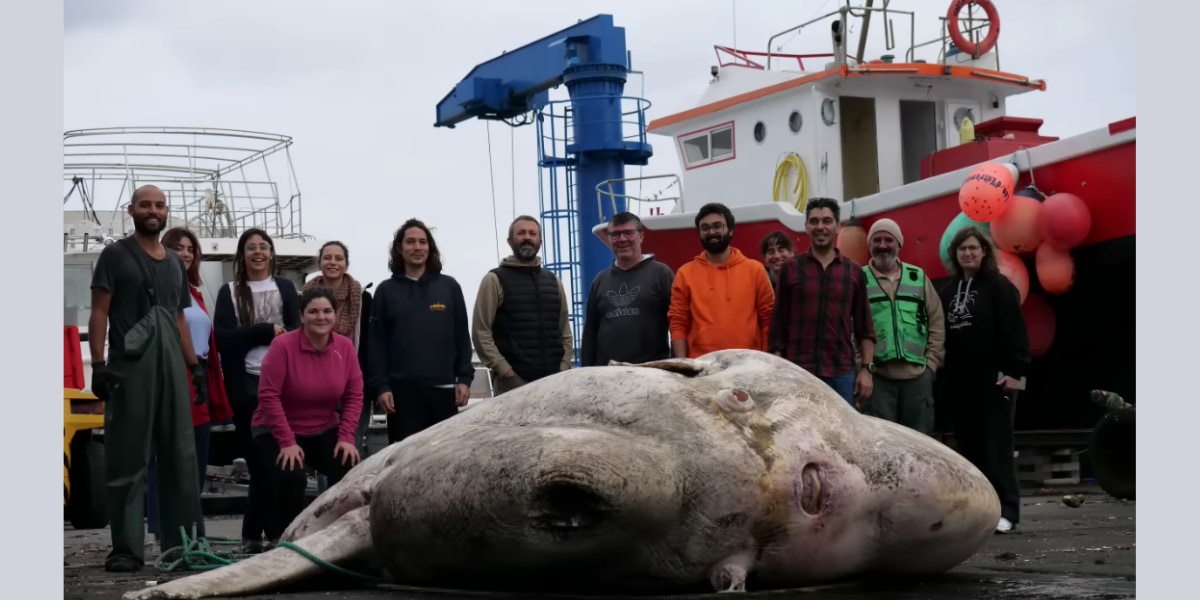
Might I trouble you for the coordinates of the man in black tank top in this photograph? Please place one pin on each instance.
(520, 327)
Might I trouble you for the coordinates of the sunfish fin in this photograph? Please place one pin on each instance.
(684, 366)
(346, 539)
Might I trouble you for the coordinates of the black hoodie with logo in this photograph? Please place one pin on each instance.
(419, 336)
(985, 329)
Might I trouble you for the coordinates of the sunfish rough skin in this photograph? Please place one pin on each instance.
(658, 477)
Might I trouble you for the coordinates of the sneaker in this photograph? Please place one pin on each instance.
(251, 547)
(1004, 526)
(122, 564)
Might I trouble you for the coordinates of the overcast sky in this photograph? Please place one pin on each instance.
(356, 84)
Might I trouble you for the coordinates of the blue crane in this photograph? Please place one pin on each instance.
(582, 142)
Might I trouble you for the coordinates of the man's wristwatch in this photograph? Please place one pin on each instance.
(870, 367)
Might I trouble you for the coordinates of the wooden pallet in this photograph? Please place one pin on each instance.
(1039, 467)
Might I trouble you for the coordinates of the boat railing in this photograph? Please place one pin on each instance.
(218, 182)
(733, 57)
(862, 13)
(621, 200)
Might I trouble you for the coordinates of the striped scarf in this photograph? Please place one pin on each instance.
(349, 300)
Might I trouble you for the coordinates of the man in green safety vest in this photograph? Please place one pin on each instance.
(910, 331)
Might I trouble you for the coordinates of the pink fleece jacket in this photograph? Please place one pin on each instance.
(299, 388)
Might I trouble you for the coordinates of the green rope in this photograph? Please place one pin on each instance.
(196, 554)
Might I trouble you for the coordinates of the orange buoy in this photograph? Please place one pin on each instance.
(1064, 221)
(1012, 267)
(852, 242)
(1055, 269)
(1040, 324)
(987, 191)
(1017, 229)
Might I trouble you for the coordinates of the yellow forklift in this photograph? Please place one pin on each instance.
(84, 502)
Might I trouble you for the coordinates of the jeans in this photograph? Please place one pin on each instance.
(203, 432)
(843, 385)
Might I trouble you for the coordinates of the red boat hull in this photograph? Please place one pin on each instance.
(1094, 343)
(1106, 180)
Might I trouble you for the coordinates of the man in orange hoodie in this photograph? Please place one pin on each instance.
(722, 299)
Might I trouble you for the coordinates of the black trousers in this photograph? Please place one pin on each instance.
(418, 409)
(244, 402)
(285, 493)
(982, 418)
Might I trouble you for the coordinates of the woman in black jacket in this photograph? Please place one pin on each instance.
(987, 353)
(251, 310)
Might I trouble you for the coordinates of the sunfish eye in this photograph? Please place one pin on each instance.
(735, 400)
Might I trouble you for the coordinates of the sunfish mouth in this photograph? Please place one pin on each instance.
(566, 508)
(812, 497)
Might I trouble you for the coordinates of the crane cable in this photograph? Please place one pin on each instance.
(791, 161)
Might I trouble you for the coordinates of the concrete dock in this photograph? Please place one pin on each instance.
(1058, 551)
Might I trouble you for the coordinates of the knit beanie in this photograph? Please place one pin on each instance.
(889, 226)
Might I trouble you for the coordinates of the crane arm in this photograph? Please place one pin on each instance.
(519, 81)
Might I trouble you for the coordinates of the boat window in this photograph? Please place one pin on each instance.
(709, 146)
(77, 294)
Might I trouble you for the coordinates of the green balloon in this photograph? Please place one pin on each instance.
(959, 222)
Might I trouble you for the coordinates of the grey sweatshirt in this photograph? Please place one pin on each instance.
(626, 318)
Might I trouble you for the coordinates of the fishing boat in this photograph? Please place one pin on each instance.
(218, 184)
(897, 136)
(893, 135)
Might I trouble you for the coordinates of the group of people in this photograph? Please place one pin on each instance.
(880, 335)
(298, 371)
(291, 368)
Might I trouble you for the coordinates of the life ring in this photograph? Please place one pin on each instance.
(957, 36)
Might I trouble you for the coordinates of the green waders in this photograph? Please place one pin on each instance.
(148, 415)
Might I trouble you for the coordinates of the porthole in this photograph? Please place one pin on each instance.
(760, 132)
(795, 121)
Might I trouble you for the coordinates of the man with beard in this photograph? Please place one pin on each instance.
(520, 325)
(139, 291)
(822, 302)
(418, 384)
(776, 249)
(627, 305)
(910, 330)
(721, 300)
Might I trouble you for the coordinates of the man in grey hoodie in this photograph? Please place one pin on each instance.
(626, 318)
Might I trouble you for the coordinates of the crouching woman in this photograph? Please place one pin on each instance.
(305, 376)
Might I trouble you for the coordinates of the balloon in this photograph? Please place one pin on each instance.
(852, 242)
(987, 191)
(959, 223)
(1064, 221)
(1017, 229)
(1012, 267)
(1055, 269)
(1040, 324)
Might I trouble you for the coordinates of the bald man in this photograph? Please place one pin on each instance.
(139, 291)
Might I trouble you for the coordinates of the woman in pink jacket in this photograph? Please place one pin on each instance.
(305, 375)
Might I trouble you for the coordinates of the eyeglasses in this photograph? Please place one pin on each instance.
(714, 228)
(965, 248)
(616, 235)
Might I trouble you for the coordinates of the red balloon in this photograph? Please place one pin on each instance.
(1055, 269)
(1064, 221)
(1012, 267)
(987, 192)
(852, 243)
(1017, 229)
(1040, 323)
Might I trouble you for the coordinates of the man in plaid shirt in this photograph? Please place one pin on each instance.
(821, 299)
